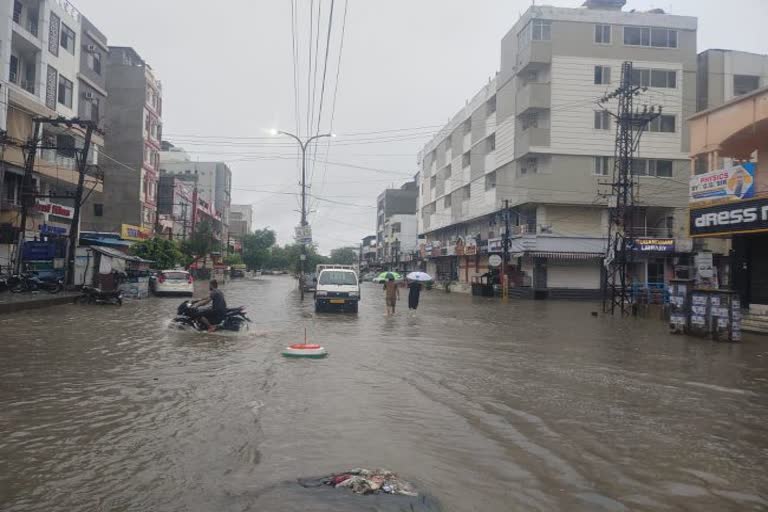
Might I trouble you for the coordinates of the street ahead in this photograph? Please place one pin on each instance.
(486, 406)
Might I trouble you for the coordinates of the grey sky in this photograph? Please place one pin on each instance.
(227, 71)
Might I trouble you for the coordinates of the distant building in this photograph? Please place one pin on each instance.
(240, 220)
(396, 220)
(175, 207)
(368, 252)
(727, 74)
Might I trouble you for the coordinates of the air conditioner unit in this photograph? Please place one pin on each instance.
(89, 95)
(92, 48)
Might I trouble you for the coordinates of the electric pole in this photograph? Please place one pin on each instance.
(505, 248)
(630, 124)
(304, 238)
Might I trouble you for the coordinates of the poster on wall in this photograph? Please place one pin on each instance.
(731, 184)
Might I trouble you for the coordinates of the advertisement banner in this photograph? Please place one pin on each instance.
(731, 184)
(724, 219)
(137, 233)
(665, 245)
(55, 209)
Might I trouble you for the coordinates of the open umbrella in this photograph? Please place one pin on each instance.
(384, 276)
(419, 276)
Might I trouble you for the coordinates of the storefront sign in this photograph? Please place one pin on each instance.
(495, 245)
(47, 229)
(129, 232)
(470, 248)
(724, 219)
(494, 260)
(732, 184)
(666, 245)
(55, 209)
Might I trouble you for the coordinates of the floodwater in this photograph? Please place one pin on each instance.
(485, 406)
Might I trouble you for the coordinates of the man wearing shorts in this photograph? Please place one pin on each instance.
(392, 294)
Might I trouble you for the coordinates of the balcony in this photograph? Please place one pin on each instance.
(26, 21)
(531, 139)
(534, 95)
(537, 55)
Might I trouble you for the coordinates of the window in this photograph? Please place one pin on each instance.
(147, 154)
(639, 167)
(447, 201)
(490, 181)
(602, 75)
(147, 122)
(603, 34)
(17, 10)
(602, 165)
(663, 124)
(68, 39)
(14, 73)
(467, 192)
(94, 62)
(98, 210)
(448, 171)
(541, 30)
(645, 36)
(641, 77)
(491, 143)
(65, 146)
(465, 160)
(65, 92)
(530, 120)
(743, 84)
(491, 106)
(660, 168)
(602, 120)
(467, 126)
(91, 109)
(433, 182)
(663, 78)
(529, 166)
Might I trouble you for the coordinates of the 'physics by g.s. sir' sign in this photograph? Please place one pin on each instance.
(726, 219)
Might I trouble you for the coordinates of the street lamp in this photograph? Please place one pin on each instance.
(303, 144)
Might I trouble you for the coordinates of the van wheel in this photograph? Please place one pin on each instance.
(354, 308)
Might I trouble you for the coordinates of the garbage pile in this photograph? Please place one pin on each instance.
(367, 481)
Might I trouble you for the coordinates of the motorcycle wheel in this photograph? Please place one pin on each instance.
(55, 288)
(18, 288)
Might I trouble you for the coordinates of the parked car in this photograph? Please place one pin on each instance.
(177, 282)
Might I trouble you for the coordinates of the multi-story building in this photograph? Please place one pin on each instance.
(535, 139)
(727, 74)
(175, 207)
(395, 207)
(240, 220)
(44, 51)
(132, 145)
(368, 252)
(213, 184)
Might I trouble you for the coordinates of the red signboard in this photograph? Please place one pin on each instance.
(55, 209)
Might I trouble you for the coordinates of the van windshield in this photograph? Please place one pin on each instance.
(338, 277)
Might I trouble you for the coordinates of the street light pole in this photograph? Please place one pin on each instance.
(303, 144)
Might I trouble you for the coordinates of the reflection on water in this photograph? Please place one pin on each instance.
(487, 406)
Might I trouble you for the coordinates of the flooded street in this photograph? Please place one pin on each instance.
(485, 406)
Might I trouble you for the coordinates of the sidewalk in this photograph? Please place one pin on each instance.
(12, 302)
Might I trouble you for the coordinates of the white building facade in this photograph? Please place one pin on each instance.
(535, 139)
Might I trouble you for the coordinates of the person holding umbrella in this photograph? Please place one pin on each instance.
(414, 287)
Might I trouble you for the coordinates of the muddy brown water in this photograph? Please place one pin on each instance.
(485, 406)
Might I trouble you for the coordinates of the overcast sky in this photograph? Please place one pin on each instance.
(227, 73)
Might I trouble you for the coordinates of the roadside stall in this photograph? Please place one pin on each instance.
(116, 270)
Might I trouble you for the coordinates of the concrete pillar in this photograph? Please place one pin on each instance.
(761, 173)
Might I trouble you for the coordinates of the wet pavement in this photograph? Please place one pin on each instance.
(486, 406)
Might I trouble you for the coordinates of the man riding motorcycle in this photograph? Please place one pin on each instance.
(218, 310)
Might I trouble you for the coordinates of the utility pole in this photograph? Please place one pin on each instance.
(505, 247)
(81, 158)
(27, 189)
(630, 124)
(303, 145)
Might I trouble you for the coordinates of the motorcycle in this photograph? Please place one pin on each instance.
(32, 283)
(187, 315)
(92, 295)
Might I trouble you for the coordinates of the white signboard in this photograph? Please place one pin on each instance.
(494, 260)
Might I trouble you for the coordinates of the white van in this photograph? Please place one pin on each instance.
(337, 287)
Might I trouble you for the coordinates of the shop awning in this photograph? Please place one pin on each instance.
(566, 255)
(104, 242)
(114, 253)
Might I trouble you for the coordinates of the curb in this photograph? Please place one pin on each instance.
(13, 307)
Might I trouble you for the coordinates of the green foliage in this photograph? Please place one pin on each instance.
(200, 243)
(233, 259)
(164, 253)
(344, 256)
(256, 248)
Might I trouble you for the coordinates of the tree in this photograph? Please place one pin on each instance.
(164, 253)
(344, 256)
(200, 243)
(233, 259)
(256, 247)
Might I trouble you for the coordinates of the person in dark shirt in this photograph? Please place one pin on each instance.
(215, 314)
